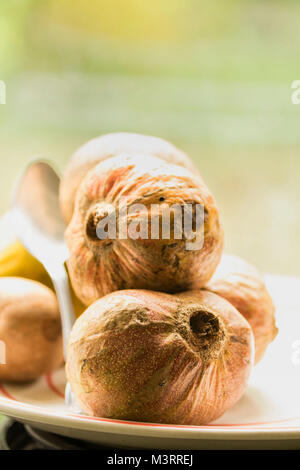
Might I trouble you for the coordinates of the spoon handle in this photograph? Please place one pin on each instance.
(62, 288)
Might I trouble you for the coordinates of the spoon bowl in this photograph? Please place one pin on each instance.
(36, 214)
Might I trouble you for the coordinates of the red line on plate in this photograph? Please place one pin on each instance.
(220, 427)
(6, 394)
(182, 426)
(53, 387)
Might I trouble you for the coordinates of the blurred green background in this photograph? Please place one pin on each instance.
(213, 77)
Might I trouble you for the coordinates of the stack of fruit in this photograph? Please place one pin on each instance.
(172, 327)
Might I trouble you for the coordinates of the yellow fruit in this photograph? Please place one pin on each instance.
(16, 261)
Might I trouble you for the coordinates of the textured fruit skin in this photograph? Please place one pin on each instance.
(133, 355)
(30, 328)
(98, 267)
(242, 285)
(16, 261)
(109, 145)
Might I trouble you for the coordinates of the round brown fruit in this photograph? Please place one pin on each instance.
(242, 285)
(132, 192)
(148, 356)
(30, 330)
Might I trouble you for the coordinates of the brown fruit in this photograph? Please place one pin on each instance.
(100, 266)
(109, 145)
(30, 330)
(242, 285)
(148, 356)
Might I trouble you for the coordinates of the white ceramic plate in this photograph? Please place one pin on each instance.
(268, 415)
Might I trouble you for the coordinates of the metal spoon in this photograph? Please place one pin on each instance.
(38, 224)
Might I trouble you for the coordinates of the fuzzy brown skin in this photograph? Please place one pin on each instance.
(148, 356)
(30, 327)
(243, 286)
(109, 145)
(98, 267)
